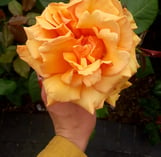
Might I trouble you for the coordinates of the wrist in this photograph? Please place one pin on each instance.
(80, 142)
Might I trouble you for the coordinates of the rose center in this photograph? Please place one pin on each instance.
(89, 47)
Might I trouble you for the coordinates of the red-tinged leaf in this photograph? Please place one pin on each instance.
(152, 53)
(40, 79)
(158, 121)
(28, 4)
(17, 20)
(18, 33)
(2, 14)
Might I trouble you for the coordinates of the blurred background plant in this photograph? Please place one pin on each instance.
(139, 104)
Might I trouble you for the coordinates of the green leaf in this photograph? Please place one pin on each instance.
(4, 2)
(151, 106)
(34, 88)
(144, 12)
(153, 133)
(1, 70)
(7, 86)
(1, 39)
(146, 69)
(17, 97)
(157, 88)
(8, 56)
(102, 113)
(21, 67)
(31, 18)
(7, 36)
(1, 42)
(15, 8)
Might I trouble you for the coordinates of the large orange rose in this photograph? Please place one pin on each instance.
(84, 50)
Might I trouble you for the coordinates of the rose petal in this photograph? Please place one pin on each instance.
(44, 23)
(112, 99)
(126, 34)
(92, 79)
(110, 40)
(97, 19)
(38, 33)
(30, 31)
(92, 5)
(82, 70)
(71, 78)
(52, 53)
(67, 77)
(119, 58)
(57, 13)
(72, 60)
(91, 99)
(118, 63)
(90, 68)
(115, 94)
(108, 84)
(33, 47)
(57, 91)
(54, 63)
(76, 80)
(34, 63)
(130, 18)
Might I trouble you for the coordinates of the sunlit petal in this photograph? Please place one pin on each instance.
(57, 91)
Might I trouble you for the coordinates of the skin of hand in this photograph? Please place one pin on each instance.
(71, 121)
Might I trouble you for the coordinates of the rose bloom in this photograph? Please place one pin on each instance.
(84, 50)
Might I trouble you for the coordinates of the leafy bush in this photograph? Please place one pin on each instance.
(16, 78)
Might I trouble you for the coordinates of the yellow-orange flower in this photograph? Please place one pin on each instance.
(84, 50)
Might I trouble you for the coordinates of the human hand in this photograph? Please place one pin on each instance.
(71, 121)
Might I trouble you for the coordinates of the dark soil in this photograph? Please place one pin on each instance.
(128, 109)
(26, 107)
